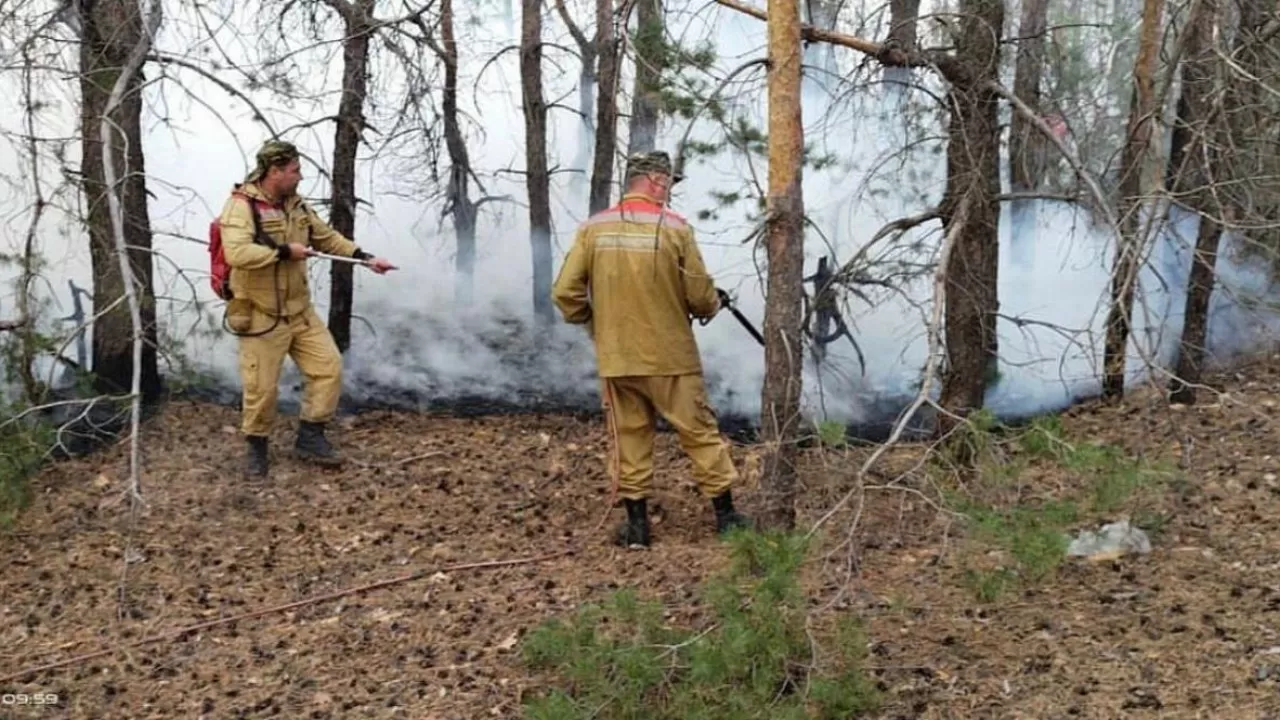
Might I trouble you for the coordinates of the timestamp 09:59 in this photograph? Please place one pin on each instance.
(34, 699)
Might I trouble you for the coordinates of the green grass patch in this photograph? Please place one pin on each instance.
(1033, 535)
(620, 660)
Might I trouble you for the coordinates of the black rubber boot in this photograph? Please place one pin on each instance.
(635, 531)
(726, 517)
(256, 463)
(312, 446)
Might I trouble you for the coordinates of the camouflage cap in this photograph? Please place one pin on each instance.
(271, 154)
(656, 161)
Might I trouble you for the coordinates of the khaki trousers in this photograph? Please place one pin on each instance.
(305, 338)
(630, 404)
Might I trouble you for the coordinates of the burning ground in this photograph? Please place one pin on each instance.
(975, 617)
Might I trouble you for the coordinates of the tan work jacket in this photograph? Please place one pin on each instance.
(635, 276)
(257, 271)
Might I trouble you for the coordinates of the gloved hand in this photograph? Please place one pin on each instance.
(725, 300)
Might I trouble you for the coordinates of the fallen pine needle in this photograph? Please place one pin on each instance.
(180, 632)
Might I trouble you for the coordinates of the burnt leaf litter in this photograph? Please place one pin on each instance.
(953, 626)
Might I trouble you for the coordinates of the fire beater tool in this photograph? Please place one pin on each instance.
(727, 302)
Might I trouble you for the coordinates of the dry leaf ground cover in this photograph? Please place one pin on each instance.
(969, 611)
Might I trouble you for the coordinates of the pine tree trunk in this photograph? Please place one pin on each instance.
(110, 29)
(346, 144)
(606, 108)
(1133, 162)
(903, 18)
(780, 399)
(537, 175)
(646, 96)
(1027, 147)
(460, 203)
(973, 176)
(1195, 164)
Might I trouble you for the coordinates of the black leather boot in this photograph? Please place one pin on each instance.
(726, 517)
(256, 463)
(313, 446)
(635, 531)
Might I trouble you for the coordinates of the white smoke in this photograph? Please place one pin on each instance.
(412, 341)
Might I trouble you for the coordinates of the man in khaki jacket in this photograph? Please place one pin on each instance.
(270, 309)
(635, 277)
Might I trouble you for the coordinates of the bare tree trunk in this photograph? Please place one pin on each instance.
(903, 17)
(1028, 150)
(110, 29)
(460, 204)
(606, 108)
(973, 180)
(646, 99)
(346, 144)
(586, 96)
(780, 397)
(1133, 162)
(1195, 165)
(537, 175)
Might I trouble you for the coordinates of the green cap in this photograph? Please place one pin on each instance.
(656, 161)
(273, 153)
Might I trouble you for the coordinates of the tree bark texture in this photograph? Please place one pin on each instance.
(1195, 165)
(903, 18)
(1133, 164)
(973, 172)
(780, 397)
(646, 98)
(1028, 150)
(461, 206)
(110, 29)
(346, 145)
(537, 174)
(606, 107)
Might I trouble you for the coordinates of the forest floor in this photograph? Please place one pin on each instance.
(963, 619)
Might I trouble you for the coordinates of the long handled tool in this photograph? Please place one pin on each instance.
(336, 258)
(727, 302)
(341, 258)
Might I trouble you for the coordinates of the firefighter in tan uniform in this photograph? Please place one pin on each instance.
(635, 278)
(271, 308)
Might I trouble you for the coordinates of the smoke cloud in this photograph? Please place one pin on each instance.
(412, 345)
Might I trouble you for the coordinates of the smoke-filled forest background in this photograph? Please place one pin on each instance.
(1019, 205)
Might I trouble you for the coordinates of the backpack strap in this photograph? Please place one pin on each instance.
(259, 236)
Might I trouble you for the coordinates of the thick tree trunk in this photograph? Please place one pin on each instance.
(1133, 164)
(110, 29)
(1028, 150)
(606, 108)
(346, 144)
(780, 398)
(537, 175)
(973, 174)
(1195, 164)
(460, 204)
(646, 98)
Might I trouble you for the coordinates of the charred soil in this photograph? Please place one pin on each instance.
(1188, 631)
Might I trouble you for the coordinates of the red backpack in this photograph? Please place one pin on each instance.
(219, 269)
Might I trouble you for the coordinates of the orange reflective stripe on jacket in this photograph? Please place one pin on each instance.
(635, 276)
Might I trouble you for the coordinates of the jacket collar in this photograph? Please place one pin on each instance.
(639, 198)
